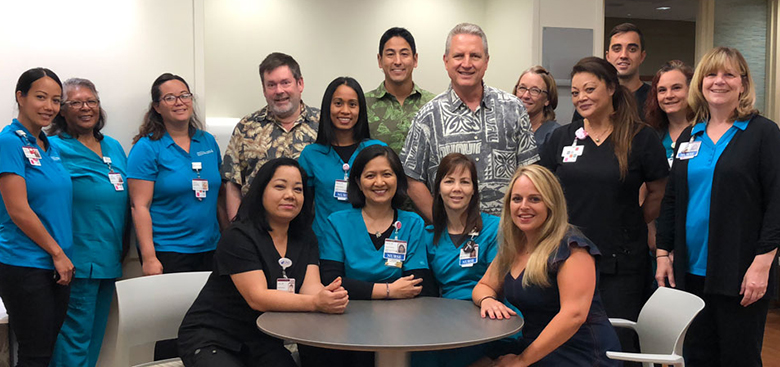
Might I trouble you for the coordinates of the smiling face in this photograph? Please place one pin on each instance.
(282, 92)
(672, 92)
(457, 189)
(529, 83)
(466, 61)
(178, 111)
(344, 108)
(42, 102)
(529, 212)
(722, 88)
(283, 196)
(397, 60)
(590, 95)
(80, 118)
(378, 182)
(626, 54)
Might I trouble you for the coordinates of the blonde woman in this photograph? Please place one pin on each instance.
(547, 269)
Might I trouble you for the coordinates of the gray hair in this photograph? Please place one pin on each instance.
(79, 82)
(466, 28)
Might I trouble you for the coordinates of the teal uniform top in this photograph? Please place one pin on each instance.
(347, 241)
(100, 210)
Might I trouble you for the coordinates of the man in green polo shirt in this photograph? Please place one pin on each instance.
(392, 106)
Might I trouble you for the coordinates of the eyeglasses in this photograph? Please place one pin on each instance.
(171, 99)
(535, 92)
(92, 103)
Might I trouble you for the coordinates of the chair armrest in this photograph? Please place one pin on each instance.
(628, 324)
(672, 359)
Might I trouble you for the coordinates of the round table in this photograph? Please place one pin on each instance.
(391, 328)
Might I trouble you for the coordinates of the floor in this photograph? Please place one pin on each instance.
(771, 352)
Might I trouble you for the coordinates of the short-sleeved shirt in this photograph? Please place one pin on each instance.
(602, 205)
(99, 210)
(388, 120)
(324, 166)
(180, 221)
(49, 194)
(347, 241)
(542, 134)
(497, 137)
(701, 170)
(220, 315)
(259, 138)
(455, 281)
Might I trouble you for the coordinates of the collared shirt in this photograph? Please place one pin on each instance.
(701, 170)
(49, 194)
(497, 137)
(388, 120)
(99, 210)
(259, 137)
(180, 222)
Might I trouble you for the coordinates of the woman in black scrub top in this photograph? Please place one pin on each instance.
(270, 246)
(602, 161)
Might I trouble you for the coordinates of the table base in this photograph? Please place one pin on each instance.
(391, 358)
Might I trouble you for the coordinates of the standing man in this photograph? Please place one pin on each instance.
(280, 129)
(488, 125)
(626, 52)
(394, 103)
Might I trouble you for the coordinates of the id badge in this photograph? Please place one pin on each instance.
(340, 190)
(571, 152)
(395, 250)
(116, 179)
(285, 285)
(199, 184)
(469, 255)
(32, 154)
(688, 150)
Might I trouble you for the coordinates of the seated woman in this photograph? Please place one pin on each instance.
(547, 269)
(269, 242)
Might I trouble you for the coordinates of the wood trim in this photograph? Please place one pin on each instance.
(705, 28)
(772, 61)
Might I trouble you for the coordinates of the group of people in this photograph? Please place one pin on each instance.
(505, 206)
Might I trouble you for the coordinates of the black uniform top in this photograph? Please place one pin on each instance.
(640, 95)
(220, 316)
(602, 205)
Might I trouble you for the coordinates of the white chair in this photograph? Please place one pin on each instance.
(148, 309)
(661, 327)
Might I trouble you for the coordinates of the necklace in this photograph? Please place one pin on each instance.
(597, 137)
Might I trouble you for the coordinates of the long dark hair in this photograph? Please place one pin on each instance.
(326, 135)
(355, 195)
(654, 115)
(449, 164)
(59, 125)
(625, 118)
(252, 209)
(153, 122)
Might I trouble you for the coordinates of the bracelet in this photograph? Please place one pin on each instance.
(387, 286)
(667, 255)
(484, 298)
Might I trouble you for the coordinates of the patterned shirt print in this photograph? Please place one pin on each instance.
(389, 121)
(497, 137)
(259, 138)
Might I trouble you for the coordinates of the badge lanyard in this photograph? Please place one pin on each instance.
(469, 253)
(199, 185)
(395, 249)
(30, 152)
(689, 150)
(115, 178)
(340, 188)
(284, 283)
(572, 152)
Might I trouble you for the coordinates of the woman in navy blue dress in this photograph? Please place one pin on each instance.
(547, 269)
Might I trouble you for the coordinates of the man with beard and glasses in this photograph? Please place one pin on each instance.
(281, 129)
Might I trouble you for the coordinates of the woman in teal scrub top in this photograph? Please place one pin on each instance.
(97, 166)
(35, 220)
(342, 134)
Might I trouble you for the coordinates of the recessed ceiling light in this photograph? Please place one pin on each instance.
(663, 8)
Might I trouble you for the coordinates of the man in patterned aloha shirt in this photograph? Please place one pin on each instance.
(394, 103)
(280, 129)
(486, 124)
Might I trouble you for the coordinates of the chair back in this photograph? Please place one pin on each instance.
(665, 319)
(148, 309)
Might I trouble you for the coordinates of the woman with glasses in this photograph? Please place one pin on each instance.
(173, 175)
(35, 220)
(537, 89)
(97, 166)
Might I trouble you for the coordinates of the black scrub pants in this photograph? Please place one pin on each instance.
(623, 296)
(724, 333)
(214, 356)
(36, 307)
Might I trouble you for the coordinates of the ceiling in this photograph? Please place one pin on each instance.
(684, 10)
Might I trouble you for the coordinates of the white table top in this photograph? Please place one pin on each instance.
(422, 323)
